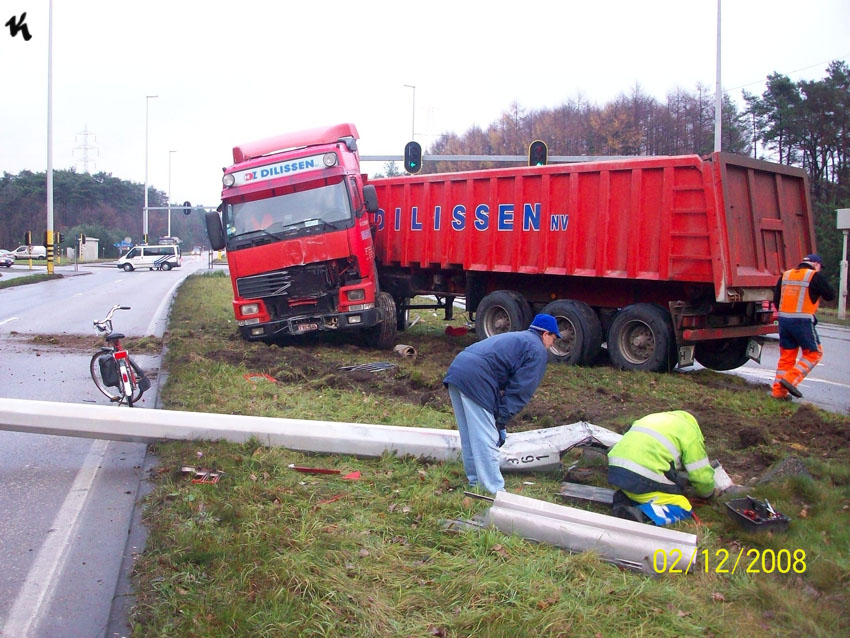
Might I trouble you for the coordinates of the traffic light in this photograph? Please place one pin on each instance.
(82, 238)
(187, 207)
(60, 237)
(28, 238)
(412, 157)
(538, 153)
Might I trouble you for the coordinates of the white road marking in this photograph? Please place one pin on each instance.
(36, 590)
(8, 320)
(770, 376)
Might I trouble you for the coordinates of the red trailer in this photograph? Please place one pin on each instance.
(666, 258)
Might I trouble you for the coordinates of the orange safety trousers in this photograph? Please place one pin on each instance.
(793, 370)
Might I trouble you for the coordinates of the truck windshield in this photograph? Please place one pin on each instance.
(296, 213)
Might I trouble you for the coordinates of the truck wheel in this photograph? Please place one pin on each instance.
(641, 337)
(581, 332)
(724, 354)
(498, 312)
(525, 309)
(383, 335)
(166, 266)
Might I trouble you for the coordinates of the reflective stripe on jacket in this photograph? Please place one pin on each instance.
(795, 302)
(640, 461)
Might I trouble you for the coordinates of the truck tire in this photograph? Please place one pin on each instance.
(723, 354)
(383, 335)
(499, 312)
(641, 338)
(525, 309)
(581, 332)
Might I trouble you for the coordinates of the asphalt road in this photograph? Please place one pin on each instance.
(827, 386)
(66, 504)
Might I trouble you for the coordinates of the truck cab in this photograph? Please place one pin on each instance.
(294, 221)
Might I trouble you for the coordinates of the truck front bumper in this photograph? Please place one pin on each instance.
(302, 324)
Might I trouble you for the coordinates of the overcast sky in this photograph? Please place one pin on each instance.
(232, 72)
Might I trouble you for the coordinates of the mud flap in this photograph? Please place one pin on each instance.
(686, 356)
(754, 350)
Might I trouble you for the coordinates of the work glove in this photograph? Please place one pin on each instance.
(503, 435)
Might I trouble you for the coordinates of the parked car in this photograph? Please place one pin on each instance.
(23, 252)
(7, 259)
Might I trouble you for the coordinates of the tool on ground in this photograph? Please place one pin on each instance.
(478, 496)
(202, 474)
(351, 476)
(377, 366)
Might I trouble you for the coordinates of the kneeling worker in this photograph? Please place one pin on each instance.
(646, 463)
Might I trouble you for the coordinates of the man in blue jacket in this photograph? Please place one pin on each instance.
(491, 381)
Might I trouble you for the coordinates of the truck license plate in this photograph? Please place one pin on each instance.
(306, 327)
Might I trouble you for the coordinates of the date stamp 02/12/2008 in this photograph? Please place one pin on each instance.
(721, 561)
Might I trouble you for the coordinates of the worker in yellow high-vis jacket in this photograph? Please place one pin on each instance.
(648, 465)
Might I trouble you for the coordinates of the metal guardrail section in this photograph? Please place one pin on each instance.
(534, 450)
(625, 543)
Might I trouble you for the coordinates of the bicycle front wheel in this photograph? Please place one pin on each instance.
(111, 393)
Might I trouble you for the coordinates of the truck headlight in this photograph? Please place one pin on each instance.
(228, 180)
(356, 294)
(250, 309)
(329, 159)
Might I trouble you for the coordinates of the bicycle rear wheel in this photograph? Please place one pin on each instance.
(140, 382)
(111, 393)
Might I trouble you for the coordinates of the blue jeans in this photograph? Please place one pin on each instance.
(479, 441)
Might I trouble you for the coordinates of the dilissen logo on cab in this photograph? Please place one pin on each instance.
(289, 167)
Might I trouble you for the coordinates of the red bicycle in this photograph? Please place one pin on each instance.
(114, 373)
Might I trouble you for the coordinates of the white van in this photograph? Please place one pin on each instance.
(23, 252)
(158, 257)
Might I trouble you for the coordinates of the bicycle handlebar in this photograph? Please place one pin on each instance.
(105, 324)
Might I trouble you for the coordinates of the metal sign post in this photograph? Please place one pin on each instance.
(842, 218)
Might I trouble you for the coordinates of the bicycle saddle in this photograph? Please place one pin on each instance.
(114, 336)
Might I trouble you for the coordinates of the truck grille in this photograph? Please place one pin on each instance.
(305, 281)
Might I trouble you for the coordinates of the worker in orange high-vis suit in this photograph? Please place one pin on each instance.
(797, 295)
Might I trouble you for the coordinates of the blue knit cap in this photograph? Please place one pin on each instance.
(545, 323)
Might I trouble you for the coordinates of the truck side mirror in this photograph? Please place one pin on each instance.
(215, 231)
(370, 197)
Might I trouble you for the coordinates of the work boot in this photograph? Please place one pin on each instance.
(792, 389)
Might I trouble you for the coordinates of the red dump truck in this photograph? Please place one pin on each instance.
(665, 259)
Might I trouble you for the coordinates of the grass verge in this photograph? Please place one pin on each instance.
(269, 551)
(27, 279)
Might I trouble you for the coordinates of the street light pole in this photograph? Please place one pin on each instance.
(169, 191)
(145, 211)
(413, 113)
(49, 230)
(718, 93)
